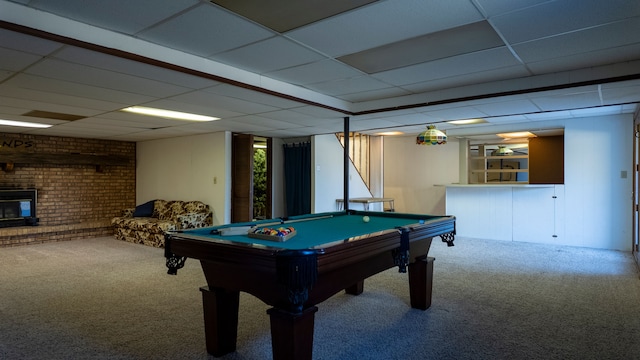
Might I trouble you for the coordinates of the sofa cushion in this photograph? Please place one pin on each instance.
(193, 220)
(150, 225)
(196, 207)
(161, 209)
(144, 210)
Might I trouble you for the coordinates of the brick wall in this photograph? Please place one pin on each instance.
(74, 200)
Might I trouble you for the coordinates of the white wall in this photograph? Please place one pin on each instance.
(598, 201)
(327, 182)
(184, 168)
(411, 171)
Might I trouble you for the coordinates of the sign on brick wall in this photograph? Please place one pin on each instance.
(13, 145)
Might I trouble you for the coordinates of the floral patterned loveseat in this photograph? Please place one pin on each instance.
(148, 223)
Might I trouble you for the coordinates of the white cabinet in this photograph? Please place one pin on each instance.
(529, 213)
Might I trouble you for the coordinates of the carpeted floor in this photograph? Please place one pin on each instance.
(107, 299)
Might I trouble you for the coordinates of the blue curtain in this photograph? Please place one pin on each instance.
(297, 178)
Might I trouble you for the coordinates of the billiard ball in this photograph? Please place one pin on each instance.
(365, 218)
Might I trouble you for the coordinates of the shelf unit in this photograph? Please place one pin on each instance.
(485, 168)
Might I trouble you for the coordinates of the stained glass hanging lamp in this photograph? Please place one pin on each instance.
(431, 136)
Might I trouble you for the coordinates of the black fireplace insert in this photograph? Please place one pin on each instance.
(18, 207)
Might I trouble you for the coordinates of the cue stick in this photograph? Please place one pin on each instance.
(294, 221)
(243, 230)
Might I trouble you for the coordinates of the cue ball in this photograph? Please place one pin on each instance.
(365, 218)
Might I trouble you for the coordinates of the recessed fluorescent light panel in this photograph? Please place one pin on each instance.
(467, 122)
(24, 124)
(516, 135)
(389, 133)
(168, 114)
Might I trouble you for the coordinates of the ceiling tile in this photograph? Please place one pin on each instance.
(443, 68)
(315, 72)
(597, 111)
(353, 31)
(550, 115)
(503, 108)
(16, 60)
(348, 85)
(290, 116)
(561, 17)
(586, 61)
(268, 55)
(567, 101)
(300, 132)
(26, 43)
(620, 95)
(506, 119)
(103, 78)
(358, 125)
(319, 112)
(116, 64)
(89, 106)
(458, 113)
(408, 119)
(610, 36)
(194, 106)
(260, 121)
(497, 7)
(55, 86)
(240, 106)
(120, 123)
(121, 15)
(136, 120)
(289, 14)
(192, 31)
(303, 120)
(255, 96)
(379, 94)
(438, 45)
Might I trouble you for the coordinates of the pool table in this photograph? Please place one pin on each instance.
(329, 252)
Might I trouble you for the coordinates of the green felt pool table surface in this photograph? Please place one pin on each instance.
(318, 230)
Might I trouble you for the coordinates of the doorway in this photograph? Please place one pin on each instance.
(251, 178)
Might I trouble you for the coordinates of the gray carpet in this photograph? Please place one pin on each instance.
(107, 299)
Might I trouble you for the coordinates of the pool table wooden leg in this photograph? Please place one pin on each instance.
(355, 289)
(292, 334)
(220, 309)
(421, 282)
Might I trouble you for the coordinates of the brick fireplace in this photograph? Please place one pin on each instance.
(80, 186)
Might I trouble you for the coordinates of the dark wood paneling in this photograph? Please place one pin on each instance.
(269, 204)
(546, 160)
(242, 178)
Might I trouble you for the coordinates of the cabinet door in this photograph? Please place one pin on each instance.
(534, 215)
